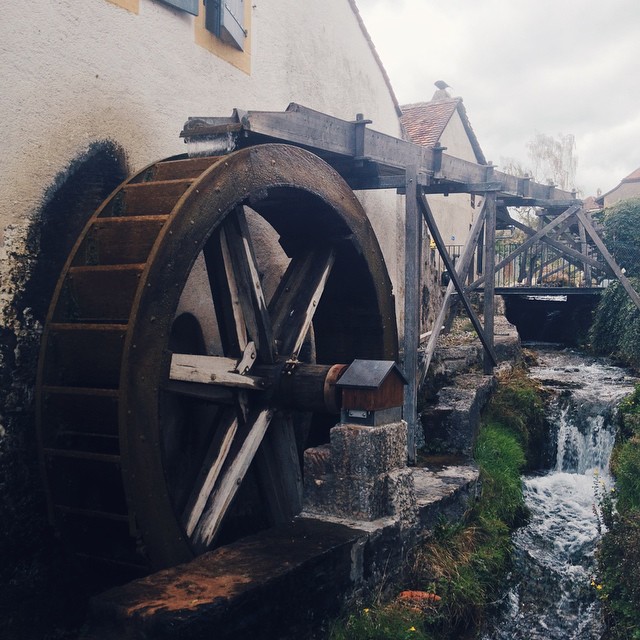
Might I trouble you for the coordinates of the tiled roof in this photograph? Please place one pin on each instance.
(425, 122)
(634, 176)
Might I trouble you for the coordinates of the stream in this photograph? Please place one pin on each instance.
(551, 596)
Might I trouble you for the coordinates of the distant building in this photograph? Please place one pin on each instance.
(444, 121)
(629, 187)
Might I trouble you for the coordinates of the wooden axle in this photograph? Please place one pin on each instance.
(292, 385)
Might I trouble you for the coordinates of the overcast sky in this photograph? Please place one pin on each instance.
(522, 67)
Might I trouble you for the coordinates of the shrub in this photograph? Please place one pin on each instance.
(617, 319)
(616, 324)
(619, 550)
(627, 473)
(622, 233)
(618, 584)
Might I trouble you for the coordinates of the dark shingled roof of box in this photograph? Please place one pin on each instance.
(368, 374)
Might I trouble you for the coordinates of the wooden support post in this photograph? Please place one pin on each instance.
(457, 282)
(412, 286)
(489, 274)
(585, 250)
(590, 229)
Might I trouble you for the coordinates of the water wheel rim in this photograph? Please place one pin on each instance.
(242, 178)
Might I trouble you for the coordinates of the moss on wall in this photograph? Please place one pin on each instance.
(35, 582)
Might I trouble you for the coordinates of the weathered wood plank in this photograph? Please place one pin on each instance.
(119, 240)
(210, 469)
(225, 295)
(84, 355)
(297, 297)
(490, 270)
(153, 198)
(180, 169)
(247, 281)
(102, 293)
(279, 469)
(412, 287)
(246, 441)
(585, 251)
(215, 370)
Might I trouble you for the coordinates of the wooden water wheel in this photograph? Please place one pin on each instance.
(172, 380)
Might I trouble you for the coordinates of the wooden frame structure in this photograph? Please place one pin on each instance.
(368, 159)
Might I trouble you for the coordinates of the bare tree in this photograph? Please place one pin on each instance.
(554, 159)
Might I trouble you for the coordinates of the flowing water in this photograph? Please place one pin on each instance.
(552, 596)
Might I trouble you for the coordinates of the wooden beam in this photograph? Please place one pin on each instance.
(412, 287)
(249, 288)
(215, 370)
(490, 269)
(297, 297)
(628, 287)
(246, 440)
(325, 134)
(278, 466)
(585, 251)
(459, 285)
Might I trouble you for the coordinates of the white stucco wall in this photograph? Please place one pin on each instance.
(77, 72)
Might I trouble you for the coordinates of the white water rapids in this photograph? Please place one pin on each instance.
(552, 596)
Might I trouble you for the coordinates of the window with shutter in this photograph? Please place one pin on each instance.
(225, 19)
(190, 6)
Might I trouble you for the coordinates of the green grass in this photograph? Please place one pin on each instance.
(382, 623)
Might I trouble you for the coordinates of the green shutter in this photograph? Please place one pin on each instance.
(190, 6)
(225, 19)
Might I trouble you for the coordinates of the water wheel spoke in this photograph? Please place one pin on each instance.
(247, 281)
(246, 441)
(297, 297)
(210, 470)
(225, 294)
(279, 470)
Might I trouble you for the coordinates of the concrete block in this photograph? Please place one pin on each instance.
(358, 450)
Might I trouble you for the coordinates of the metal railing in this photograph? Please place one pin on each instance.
(538, 266)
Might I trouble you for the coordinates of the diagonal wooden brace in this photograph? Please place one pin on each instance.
(590, 229)
(457, 282)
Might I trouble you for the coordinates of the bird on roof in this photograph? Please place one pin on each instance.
(441, 93)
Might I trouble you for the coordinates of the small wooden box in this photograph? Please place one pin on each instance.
(372, 392)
